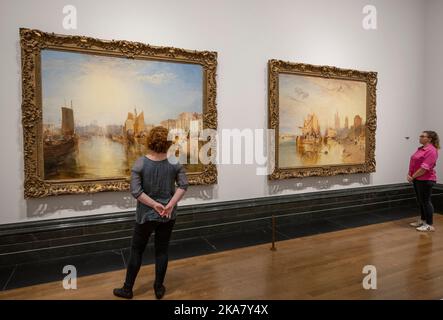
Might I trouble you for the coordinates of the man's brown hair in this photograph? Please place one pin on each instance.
(158, 139)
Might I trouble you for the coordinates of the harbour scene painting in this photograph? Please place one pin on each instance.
(98, 110)
(322, 121)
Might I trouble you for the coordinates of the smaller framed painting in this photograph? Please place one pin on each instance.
(324, 119)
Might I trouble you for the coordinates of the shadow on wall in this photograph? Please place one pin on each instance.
(276, 187)
(102, 202)
(106, 202)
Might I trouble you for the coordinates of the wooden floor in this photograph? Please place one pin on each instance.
(326, 266)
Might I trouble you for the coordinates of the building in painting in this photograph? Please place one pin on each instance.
(358, 126)
(331, 133)
(189, 120)
(337, 121)
(169, 124)
(358, 121)
(113, 130)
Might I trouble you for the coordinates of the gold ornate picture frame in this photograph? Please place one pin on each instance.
(33, 42)
(303, 148)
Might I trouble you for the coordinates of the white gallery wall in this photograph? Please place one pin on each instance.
(245, 34)
(433, 106)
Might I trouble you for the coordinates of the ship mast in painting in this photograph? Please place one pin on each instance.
(310, 130)
(67, 121)
(134, 126)
(58, 145)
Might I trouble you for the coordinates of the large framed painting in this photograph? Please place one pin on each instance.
(324, 119)
(88, 105)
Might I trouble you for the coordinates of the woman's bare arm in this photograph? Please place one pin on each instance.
(182, 182)
(177, 196)
(147, 200)
(174, 200)
(419, 173)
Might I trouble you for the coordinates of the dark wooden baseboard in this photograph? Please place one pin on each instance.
(47, 239)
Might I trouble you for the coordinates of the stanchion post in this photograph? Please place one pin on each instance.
(273, 248)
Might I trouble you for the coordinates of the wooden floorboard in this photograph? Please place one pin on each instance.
(326, 266)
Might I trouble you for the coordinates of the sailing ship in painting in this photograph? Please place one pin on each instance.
(336, 144)
(58, 144)
(69, 150)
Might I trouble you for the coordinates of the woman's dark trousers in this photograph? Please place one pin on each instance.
(423, 191)
(141, 235)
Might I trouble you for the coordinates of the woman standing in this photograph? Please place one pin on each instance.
(422, 175)
(153, 179)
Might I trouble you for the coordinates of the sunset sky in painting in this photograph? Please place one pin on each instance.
(104, 89)
(300, 95)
